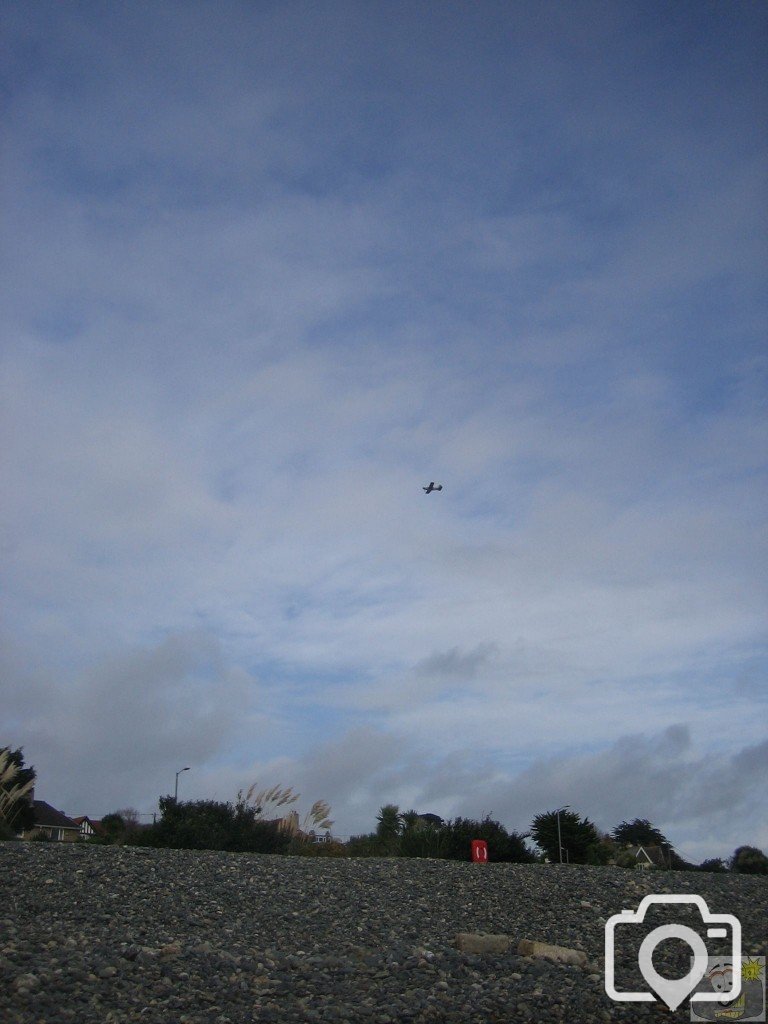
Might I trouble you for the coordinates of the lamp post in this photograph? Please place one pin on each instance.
(176, 788)
(559, 837)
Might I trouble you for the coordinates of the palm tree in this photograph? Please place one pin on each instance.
(389, 827)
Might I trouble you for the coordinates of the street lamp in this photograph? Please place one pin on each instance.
(176, 790)
(559, 837)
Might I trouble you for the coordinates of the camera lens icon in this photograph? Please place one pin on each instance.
(673, 992)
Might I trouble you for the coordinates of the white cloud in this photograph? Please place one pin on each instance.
(255, 303)
(707, 801)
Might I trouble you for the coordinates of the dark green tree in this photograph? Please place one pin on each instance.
(716, 864)
(639, 832)
(421, 837)
(366, 845)
(389, 826)
(749, 860)
(581, 841)
(409, 819)
(114, 827)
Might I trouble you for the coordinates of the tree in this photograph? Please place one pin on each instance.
(716, 864)
(748, 860)
(410, 820)
(422, 836)
(639, 832)
(581, 841)
(16, 786)
(192, 825)
(212, 825)
(388, 828)
(114, 827)
(118, 827)
(130, 816)
(366, 845)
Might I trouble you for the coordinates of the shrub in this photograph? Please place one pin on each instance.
(601, 852)
(16, 786)
(502, 845)
(410, 835)
(364, 846)
(302, 848)
(626, 859)
(212, 825)
(6, 832)
(421, 839)
(748, 860)
(114, 828)
(714, 864)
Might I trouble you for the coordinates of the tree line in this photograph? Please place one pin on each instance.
(255, 822)
(560, 836)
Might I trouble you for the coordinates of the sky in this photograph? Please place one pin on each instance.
(270, 268)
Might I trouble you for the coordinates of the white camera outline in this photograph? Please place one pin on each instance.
(638, 916)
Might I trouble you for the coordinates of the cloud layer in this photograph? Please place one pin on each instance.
(273, 270)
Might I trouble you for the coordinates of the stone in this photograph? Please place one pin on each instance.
(27, 981)
(528, 947)
(480, 942)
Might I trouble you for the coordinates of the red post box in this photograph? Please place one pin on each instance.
(479, 851)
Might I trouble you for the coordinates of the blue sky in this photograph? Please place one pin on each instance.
(270, 268)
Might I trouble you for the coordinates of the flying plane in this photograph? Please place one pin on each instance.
(432, 487)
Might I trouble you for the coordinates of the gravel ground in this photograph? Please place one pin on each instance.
(118, 934)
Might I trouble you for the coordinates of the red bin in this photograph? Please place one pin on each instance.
(479, 851)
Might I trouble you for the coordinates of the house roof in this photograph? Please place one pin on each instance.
(652, 855)
(432, 819)
(95, 823)
(48, 817)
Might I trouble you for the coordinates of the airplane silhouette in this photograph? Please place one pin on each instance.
(432, 487)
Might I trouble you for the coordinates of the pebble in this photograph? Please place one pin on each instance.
(204, 937)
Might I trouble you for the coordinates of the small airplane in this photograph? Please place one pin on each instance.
(432, 487)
